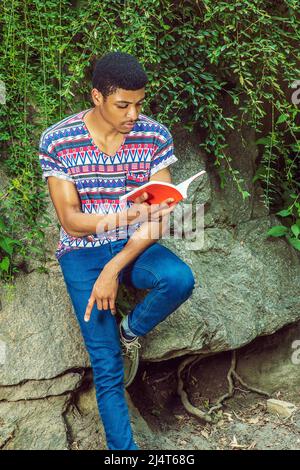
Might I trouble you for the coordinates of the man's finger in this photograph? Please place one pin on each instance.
(112, 306)
(170, 207)
(168, 201)
(163, 205)
(163, 213)
(89, 308)
(169, 210)
(141, 198)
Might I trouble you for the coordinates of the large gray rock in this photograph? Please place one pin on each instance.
(32, 389)
(272, 363)
(241, 293)
(34, 425)
(47, 397)
(242, 276)
(39, 329)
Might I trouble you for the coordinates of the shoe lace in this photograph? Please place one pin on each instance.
(130, 346)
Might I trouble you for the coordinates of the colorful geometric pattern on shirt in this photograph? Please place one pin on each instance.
(67, 151)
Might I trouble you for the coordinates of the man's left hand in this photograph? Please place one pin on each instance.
(104, 293)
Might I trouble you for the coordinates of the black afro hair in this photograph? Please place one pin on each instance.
(118, 70)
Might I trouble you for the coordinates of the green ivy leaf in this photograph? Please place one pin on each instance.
(296, 230)
(6, 245)
(4, 265)
(282, 118)
(263, 141)
(295, 242)
(277, 231)
(245, 194)
(284, 213)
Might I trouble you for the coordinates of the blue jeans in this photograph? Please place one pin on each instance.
(171, 282)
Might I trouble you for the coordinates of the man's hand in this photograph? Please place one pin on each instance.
(104, 293)
(105, 289)
(141, 211)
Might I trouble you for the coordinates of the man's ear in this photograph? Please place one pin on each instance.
(97, 97)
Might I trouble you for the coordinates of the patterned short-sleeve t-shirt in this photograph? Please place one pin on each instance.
(67, 151)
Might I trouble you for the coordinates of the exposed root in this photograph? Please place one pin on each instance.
(183, 395)
(232, 374)
(252, 389)
(162, 379)
(230, 392)
(7, 440)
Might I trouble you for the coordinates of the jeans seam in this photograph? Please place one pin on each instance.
(154, 298)
(146, 268)
(149, 269)
(147, 309)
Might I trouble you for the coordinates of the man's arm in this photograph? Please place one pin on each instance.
(67, 204)
(76, 223)
(142, 238)
(105, 289)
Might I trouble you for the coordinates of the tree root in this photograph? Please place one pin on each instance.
(183, 395)
(231, 374)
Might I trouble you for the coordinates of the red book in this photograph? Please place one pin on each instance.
(158, 191)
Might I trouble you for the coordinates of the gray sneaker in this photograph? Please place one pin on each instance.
(130, 351)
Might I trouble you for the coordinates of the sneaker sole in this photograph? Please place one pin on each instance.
(134, 366)
(132, 371)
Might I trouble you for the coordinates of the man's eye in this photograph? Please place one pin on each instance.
(126, 106)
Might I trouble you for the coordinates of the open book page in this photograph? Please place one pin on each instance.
(158, 191)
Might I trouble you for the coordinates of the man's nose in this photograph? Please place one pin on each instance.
(132, 114)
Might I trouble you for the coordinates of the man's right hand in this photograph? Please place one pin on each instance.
(141, 211)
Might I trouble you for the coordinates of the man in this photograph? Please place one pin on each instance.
(89, 160)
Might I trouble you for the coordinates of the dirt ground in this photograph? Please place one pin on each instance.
(243, 422)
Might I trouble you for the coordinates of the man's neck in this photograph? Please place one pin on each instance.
(99, 127)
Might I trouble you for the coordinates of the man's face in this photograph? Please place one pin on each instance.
(122, 108)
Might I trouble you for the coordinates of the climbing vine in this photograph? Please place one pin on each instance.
(194, 51)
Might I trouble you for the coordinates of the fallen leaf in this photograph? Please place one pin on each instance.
(252, 445)
(229, 416)
(254, 420)
(234, 444)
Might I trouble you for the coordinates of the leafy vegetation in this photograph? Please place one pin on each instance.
(194, 51)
